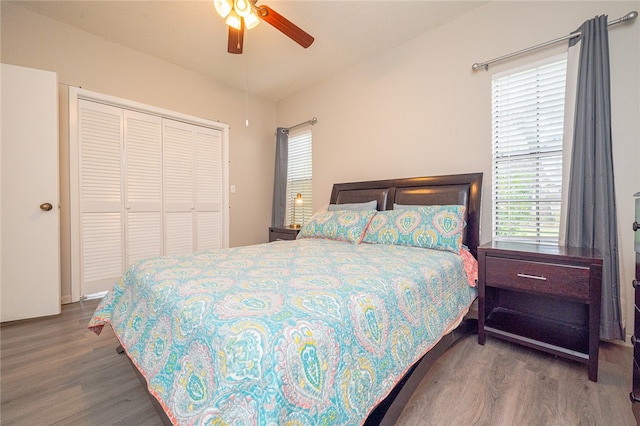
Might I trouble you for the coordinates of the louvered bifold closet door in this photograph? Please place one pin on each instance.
(208, 207)
(143, 170)
(179, 200)
(101, 196)
(192, 187)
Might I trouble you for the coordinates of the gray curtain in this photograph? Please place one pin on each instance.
(591, 207)
(280, 179)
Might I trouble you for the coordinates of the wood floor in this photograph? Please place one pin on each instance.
(56, 372)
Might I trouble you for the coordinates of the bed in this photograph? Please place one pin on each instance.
(336, 327)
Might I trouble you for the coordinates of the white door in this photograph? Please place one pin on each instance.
(101, 196)
(208, 188)
(143, 185)
(30, 251)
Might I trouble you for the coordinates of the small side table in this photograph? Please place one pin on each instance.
(545, 297)
(277, 233)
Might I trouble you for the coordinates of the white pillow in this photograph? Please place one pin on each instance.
(369, 205)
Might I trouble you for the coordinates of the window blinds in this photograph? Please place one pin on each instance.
(299, 176)
(528, 116)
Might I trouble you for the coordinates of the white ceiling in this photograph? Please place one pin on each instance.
(191, 35)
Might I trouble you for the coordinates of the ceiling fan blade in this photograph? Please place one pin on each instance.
(236, 37)
(287, 27)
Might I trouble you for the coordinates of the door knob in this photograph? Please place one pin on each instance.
(46, 206)
(635, 226)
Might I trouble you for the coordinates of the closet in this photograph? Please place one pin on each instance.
(147, 184)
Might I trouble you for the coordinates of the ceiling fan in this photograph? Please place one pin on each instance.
(241, 14)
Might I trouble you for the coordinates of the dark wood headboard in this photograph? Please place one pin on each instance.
(462, 189)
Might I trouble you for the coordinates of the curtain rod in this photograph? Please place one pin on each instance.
(312, 122)
(485, 65)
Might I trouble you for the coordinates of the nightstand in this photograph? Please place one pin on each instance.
(635, 339)
(545, 297)
(277, 233)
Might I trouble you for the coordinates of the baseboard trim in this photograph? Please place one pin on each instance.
(65, 300)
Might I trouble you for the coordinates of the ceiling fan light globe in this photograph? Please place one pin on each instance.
(251, 21)
(223, 7)
(233, 20)
(242, 7)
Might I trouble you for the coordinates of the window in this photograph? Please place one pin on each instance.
(527, 121)
(299, 174)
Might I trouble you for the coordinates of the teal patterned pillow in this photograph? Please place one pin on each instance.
(436, 227)
(340, 225)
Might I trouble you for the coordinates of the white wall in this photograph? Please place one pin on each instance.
(83, 60)
(419, 109)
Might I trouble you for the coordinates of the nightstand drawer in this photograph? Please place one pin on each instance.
(636, 287)
(554, 279)
(278, 234)
(636, 382)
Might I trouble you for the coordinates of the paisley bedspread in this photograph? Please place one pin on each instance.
(305, 332)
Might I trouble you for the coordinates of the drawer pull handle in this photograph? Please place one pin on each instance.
(634, 283)
(533, 277)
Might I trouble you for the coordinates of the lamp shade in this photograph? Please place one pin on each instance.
(242, 7)
(223, 7)
(251, 20)
(296, 200)
(233, 20)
